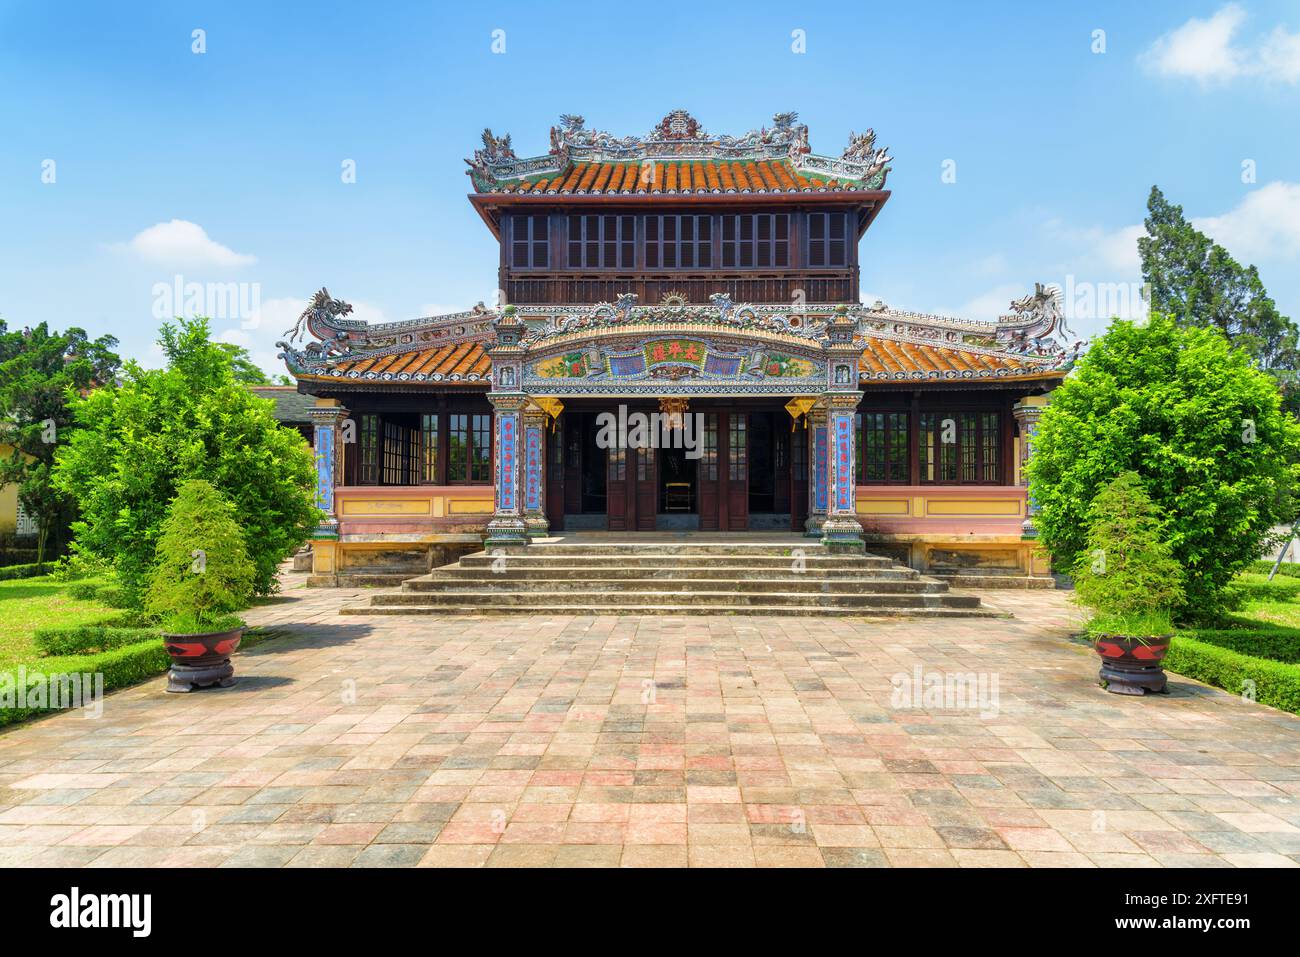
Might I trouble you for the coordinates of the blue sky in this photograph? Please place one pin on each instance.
(225, 166)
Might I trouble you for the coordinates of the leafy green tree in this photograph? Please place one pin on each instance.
(39, 370)
(245, 369)
(139, 441)
(201, 570)
(1200, 425)
(1128, 575)
(1198, 283)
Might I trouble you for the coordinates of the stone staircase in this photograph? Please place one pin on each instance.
(674, 578)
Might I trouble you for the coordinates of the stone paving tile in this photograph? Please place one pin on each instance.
(562, 741)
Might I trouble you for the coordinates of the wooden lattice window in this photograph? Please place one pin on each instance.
(678, 242)
(602, 242)
(961, 448)
(756, 240)
(828, 239)
(882, 448)
(529, 242)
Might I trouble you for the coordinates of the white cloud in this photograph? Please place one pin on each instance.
(1206, 50)
(1200, 49)
(180, 243)
(989, 305)
(1097, 250)
(440, 309)
(1280, 55)
(1263, 226)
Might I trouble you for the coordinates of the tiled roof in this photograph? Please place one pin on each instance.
(290, 405)
(696, 176)
(891, 359)
(459, 362)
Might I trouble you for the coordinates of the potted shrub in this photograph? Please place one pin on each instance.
(1130, 581)
(201, 576)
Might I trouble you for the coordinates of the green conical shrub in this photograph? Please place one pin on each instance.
(201, 572)
(1128, 575)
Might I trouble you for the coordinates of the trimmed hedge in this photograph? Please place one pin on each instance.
(1275, 683)
(120, 667)
(10, 572)
(1289, 569)
(1281, 644)
(89, 639)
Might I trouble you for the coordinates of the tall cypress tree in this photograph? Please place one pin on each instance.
(1198, 283)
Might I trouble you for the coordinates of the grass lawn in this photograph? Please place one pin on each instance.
(132, 654)
(1253, 650)
(30, 603)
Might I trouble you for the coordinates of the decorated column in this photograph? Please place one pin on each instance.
(819, 459)
(535, 420)
(328, 418)
(507, 530)
(841, 530)
(1026, 413)
(329, 424)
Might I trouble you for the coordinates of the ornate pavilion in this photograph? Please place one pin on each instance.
(686, 274)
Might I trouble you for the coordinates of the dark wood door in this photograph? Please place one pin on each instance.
(799, 479)
(620, 500)
(555, 478)
(707, 476)
(736, 480)
(647, 488)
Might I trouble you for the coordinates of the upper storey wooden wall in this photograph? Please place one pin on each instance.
(756, 254)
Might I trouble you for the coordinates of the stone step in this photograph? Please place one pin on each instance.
(432, 584)
(811, 547)
(349, 579)
(789, 577)
(530, 559)
(968, 580)
(454, 573)
(496, 598)
(598, 608)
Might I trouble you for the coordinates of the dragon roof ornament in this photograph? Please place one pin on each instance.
(679, 137)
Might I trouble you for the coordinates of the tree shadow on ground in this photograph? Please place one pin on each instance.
(274, 639)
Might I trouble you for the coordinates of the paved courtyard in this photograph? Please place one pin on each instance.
(609, 741)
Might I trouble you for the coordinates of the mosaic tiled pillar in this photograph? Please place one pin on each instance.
(507, 529)
(819, 456)
(842, 531)
(1027, 412)
(535, 473)
(327, 421)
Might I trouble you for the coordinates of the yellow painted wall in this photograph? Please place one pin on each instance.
(8, 499)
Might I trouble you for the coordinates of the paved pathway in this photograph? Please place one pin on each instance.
(655, 741)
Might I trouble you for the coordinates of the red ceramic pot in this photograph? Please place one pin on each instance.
(1132, 665)
(201, 660)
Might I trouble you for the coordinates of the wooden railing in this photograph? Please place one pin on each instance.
(785, 287)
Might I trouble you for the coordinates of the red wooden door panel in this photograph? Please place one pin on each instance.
(619, 507)
(555, 478)
(647, 489)
(799, 479)
(737, 471)
(707, 478)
